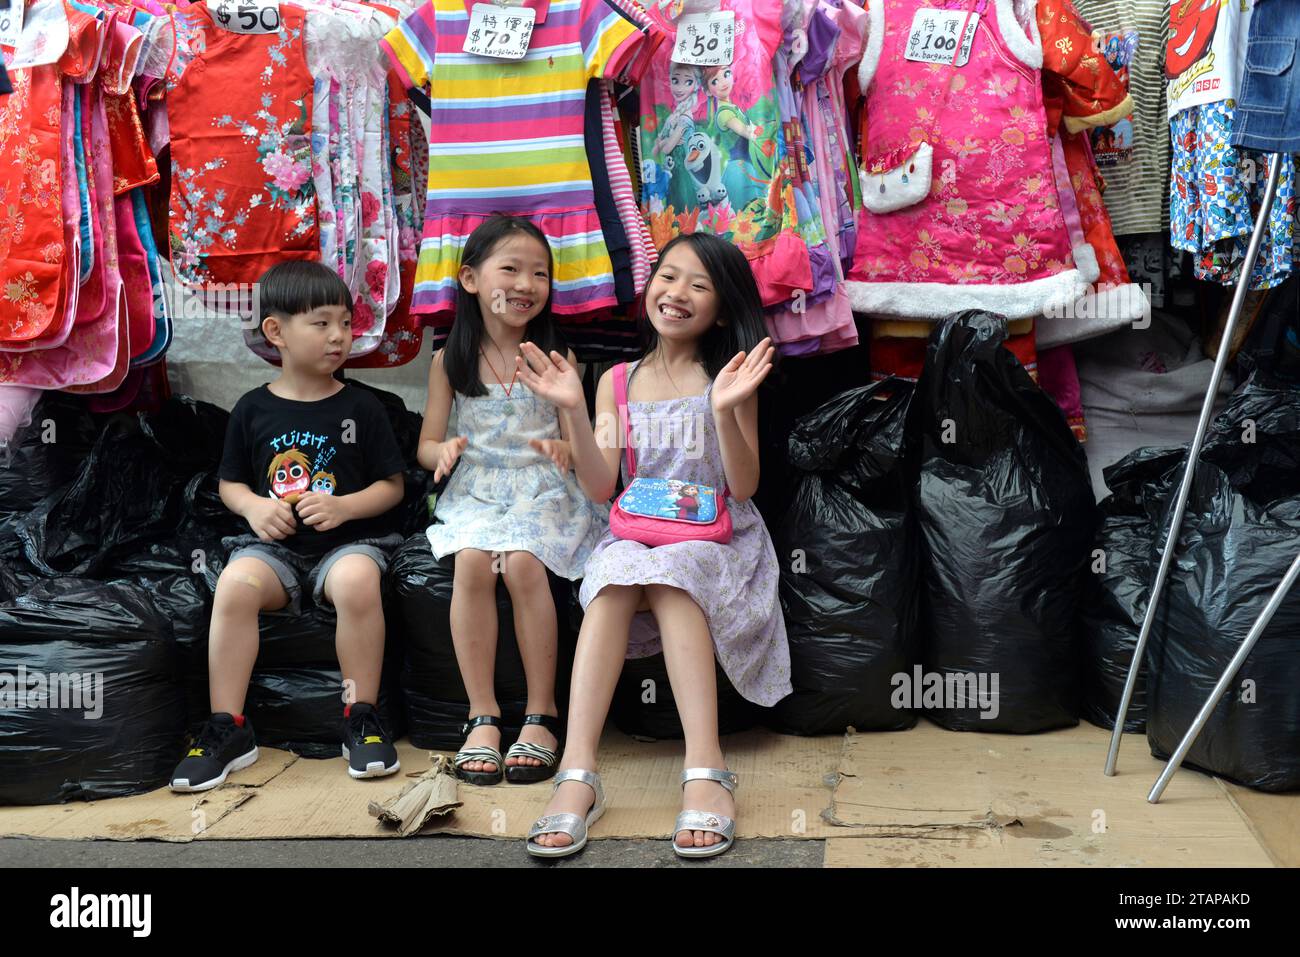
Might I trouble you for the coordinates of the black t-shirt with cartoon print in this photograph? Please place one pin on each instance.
(338, 445)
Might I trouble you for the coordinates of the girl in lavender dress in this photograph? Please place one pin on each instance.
(693, 410)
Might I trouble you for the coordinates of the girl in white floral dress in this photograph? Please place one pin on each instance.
(511, 506)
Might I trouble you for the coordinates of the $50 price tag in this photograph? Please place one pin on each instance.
(706, 39)
(498, 31)
(246, 16)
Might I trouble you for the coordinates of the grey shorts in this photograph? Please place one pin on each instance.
(294, 570)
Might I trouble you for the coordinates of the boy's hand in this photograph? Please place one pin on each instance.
(271, 519)
(323, 512)
(557, 450)
(448, 453)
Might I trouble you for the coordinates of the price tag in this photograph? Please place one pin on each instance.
(11, 24)
(499, 31)
(938, 36)
(246, 16)
(706, 39)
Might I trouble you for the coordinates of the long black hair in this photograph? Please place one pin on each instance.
(460, 355)
(739, 303)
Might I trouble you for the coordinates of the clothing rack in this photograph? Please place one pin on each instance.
(1176, 520)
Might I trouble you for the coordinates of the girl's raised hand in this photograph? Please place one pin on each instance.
(550, 377)
(739, 378)
(448, 452)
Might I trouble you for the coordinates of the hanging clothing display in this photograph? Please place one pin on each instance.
(1268, 102)
(1133, 154)
(991, 234)
(1216, 189)
(507, 136)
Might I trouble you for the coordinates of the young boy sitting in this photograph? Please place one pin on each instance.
(311, 463)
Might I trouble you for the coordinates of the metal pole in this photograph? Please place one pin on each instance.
(1230, 672)
(1193, 456)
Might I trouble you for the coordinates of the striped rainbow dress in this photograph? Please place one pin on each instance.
(507, 136)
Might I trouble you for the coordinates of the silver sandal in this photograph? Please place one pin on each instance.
(706, 820)
(566, 822)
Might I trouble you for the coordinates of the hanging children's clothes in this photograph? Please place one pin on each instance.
(523, 116)
(1215, 193)
(504, 496)
(242, 196)
(714, 157)
(735, 584)
(1133, 155)
(1215, 189)
(984, 229)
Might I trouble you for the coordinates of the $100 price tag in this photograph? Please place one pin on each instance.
(246, 16)
(706, 39)
(937, 36)
(501, 32)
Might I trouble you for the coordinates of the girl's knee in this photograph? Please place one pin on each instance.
(475, 568)
(523, 570)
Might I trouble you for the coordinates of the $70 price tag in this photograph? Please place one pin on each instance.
(498, 31)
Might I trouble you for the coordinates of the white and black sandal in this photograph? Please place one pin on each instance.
(527, 773)
(707, 820)
(479, 752)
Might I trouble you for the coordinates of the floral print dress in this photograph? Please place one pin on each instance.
(242, 195)
(504, 496)
(734, 584)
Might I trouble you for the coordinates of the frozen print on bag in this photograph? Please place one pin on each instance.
(671, 499)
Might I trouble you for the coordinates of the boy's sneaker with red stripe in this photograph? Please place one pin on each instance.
(366, 744)
(225, 744)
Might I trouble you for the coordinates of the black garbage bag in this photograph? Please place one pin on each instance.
(849, 575)
(643, 705)
(1007, 516)
(1240, 534)
(44, 456)
(129, 491)
(173, 577)
(119, 722)
(1116, 592)
(436, 702)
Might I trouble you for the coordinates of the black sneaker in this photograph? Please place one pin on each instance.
(365, 743)
(221, 747)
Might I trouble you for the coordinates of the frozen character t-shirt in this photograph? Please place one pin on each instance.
(337, 445)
